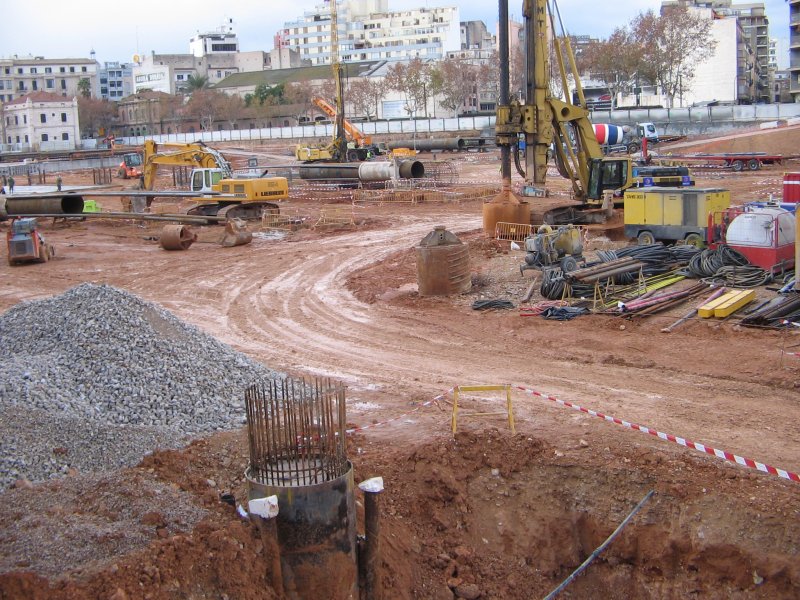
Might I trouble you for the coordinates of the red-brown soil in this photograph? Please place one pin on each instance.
(484, 511)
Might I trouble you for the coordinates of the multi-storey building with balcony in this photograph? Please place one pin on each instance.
(20, 76)
(794, 49)
(368, 31)
(738, 71)
(115, 80)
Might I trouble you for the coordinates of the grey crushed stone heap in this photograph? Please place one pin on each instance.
(137, 376)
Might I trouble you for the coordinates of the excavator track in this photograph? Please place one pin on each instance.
(247, 211)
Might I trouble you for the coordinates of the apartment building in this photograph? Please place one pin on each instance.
(214, 55)
(752, 30)
(115, 80)
(368, 31)
(794, 49)
(41, 121)
(20, 76)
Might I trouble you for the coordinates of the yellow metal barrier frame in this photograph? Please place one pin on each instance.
(511, 232)
(483, 388)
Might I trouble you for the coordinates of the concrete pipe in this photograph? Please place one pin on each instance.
(411, 169)
(49, 205)
(177, 237)
(428, 145)
(375, 171)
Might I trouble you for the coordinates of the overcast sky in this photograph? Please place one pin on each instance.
(117, 31)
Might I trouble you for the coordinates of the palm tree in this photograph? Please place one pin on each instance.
(196, 82)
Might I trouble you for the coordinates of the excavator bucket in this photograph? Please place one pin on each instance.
(236, 234)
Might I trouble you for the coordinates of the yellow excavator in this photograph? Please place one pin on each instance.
(212, 175)
(551, 125)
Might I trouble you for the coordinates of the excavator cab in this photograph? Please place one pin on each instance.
(607, 174)
(203, 180)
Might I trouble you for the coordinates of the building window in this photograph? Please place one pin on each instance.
(62, 69)
(26, 139)
(83, 69)
(44, 137)
(50, 83)
(63, 84)
(34, 85)
(19, 71)
(33, 70)
(64, 136)
(72, 69)
(63, 117)
(18, 139)
(48, 69)
(16, 120)
(24, 119)
(43, 118)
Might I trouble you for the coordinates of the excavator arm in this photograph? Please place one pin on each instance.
(195, 155)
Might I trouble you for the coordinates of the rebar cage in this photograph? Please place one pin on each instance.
(296, 431)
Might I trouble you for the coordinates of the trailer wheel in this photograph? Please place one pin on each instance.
(569, 264)
(737, 165)
(645, 238)
(753, 164)
(694, 239)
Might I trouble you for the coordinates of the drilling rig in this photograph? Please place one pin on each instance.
(336, 150)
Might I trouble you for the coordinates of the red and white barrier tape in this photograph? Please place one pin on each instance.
(739, 460)
(398, 417)
(791, 353)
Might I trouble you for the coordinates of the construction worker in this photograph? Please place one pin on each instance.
(11, 184)
(58, 183)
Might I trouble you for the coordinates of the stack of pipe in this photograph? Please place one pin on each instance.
(644, 307)
(778, 312)
(605, 270)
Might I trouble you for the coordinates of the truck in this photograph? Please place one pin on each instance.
(625, 138)
(597, 181)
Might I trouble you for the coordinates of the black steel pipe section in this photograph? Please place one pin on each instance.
(411, 169)
(70, 204)
(505, 86)
(372, 530)
(427, 145)
(333, 171)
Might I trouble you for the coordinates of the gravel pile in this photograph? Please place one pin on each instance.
(96, 378)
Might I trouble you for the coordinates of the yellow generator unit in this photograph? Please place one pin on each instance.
(672, 214)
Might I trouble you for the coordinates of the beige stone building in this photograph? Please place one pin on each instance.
(41, 121)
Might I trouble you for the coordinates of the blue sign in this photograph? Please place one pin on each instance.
(647, 182)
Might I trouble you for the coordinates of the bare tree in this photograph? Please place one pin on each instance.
(672, 45)
(412, 79)
(615, 61)
(205, 106)
(97, 117)
(299, 95)
(455, 83)
(365, 95)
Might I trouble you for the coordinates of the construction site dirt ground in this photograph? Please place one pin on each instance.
(483, 513)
